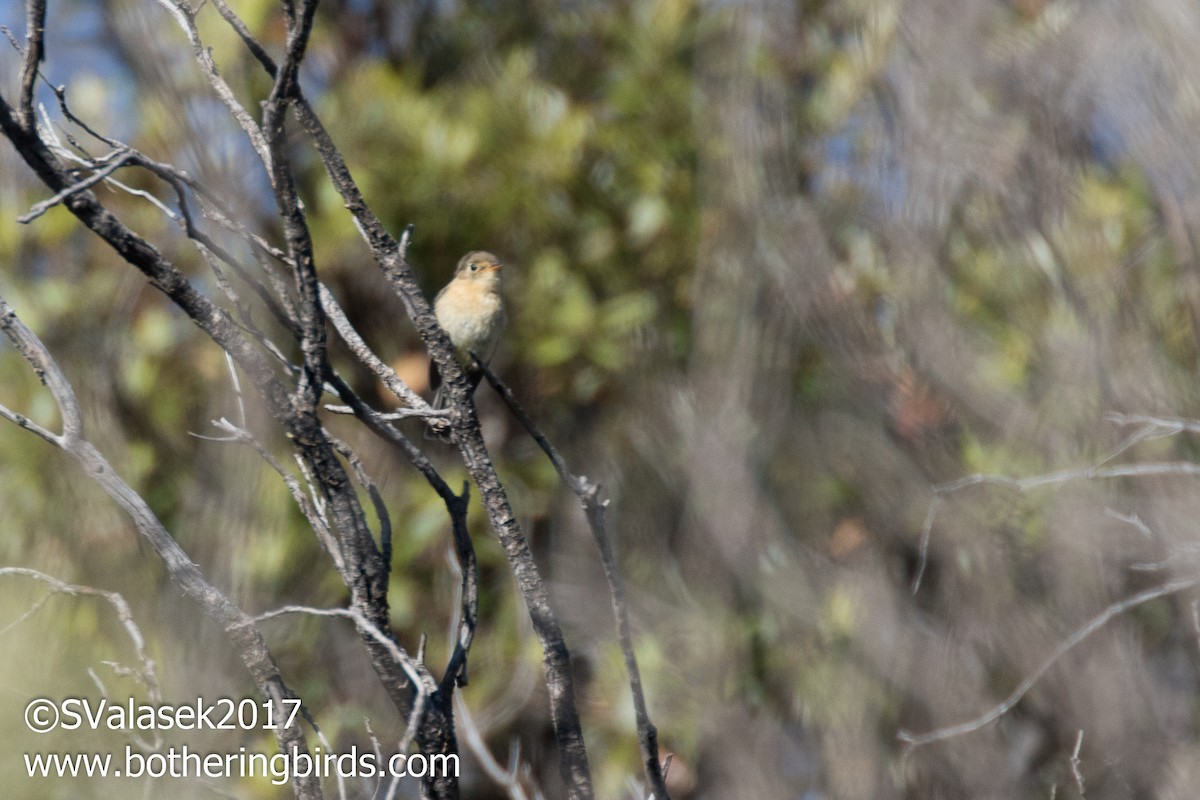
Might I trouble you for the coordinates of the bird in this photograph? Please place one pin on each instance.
(471, 311)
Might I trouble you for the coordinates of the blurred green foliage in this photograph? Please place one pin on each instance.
(572, 140)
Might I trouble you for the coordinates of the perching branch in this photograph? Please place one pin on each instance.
(389, 254)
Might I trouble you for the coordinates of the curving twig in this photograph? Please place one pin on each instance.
(1097, 622)
(1157, 469)
(595, 509)
(146, 674)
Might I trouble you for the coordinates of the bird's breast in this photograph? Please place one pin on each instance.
(473, 317)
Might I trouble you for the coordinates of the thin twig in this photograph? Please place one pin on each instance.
(507, 779)
(22, 421)
(1171, 425)
(923, 547)
(595, 509)
(213, 207)
(1196, 622)
(1131, 519)
(1094, 624)
(368, 483)
(422, 681)
(146, 674)
(55, 144)
(311, 508)
(29, 613)
(187, 22)
(1154, 469)
(397, 415)
(1075, 770)
(467, 568)
(367, 356)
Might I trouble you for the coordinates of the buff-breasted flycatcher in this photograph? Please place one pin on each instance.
(471, 310)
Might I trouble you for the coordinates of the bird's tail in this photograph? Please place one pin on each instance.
(441, 400)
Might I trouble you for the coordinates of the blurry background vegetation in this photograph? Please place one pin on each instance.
(777, 269)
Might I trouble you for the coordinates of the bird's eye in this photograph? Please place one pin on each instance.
(472, 266)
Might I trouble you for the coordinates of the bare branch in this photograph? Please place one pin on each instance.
(29, 613)
(22, 421)
(367, 357)
(311, 317)
(367, 483)
(468, 594)
(247, 639)
(35, 36)
(312, 511)
(137, 251)
(456, 506)
(213, 207)
(1169, 468)
(1161, 469)
(145, 673)
(186, 18)
(47, 371)
(398, 414)
(1131, 519)
(1171, 425)
(923, 547)
(86, 183)
(247, 38)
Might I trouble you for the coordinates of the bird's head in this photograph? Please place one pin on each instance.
(479, 267)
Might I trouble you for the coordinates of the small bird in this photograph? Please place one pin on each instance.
(471, 310)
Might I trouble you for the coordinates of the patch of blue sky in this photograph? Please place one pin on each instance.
(79, 53)
(859, 157)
